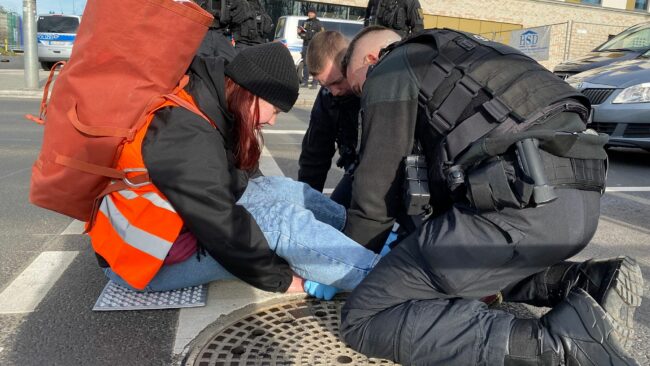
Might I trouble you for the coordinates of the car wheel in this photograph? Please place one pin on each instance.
(47, 66)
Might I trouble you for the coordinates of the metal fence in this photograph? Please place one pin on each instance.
(568, 40)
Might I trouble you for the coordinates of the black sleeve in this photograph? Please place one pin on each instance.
(415, 21)
(318, 145)
(388, 128)
(187, 162)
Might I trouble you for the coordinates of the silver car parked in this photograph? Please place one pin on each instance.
(620, 98)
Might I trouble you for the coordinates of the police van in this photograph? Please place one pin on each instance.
(287, 32)
(55, 34)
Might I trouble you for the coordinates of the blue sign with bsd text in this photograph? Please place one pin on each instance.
(528, 39)
(534, 42)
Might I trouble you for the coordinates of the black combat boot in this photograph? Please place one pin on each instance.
(615, 283)
(577, 332)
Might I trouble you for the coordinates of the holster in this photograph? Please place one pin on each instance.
(501, 182)
(416, 192)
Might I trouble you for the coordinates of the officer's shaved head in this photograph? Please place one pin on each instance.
(363, 52)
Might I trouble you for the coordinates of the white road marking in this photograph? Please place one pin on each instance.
(76, 227)
(30, 287)
(3, 95)
(283, 132)
(627, 189)
(268, 166)
(14, 173)
(641, 200)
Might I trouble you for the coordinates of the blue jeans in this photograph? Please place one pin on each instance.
(300, 224)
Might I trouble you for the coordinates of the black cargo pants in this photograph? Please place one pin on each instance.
(419, 305)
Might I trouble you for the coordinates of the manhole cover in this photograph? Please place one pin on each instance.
(301, 332)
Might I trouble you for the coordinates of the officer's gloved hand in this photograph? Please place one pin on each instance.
(320, 291)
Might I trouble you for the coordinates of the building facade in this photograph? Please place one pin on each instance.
(576, 26)
(10, 31)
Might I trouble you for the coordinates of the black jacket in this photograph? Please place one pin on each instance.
(388, 123)
(193, 166)
(333, 123)
(311, 27)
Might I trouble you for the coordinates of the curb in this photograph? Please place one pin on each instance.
(22, 93)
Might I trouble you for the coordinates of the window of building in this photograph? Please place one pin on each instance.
(641, 5)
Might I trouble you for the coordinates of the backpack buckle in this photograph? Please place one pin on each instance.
(137, 181)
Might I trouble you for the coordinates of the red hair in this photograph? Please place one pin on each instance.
(248, 138)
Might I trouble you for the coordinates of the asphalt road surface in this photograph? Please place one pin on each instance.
(55, 325)
(12, 62)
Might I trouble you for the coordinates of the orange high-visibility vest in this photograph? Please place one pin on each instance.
(135, 227)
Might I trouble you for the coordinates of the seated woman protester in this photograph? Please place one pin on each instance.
(208, 214)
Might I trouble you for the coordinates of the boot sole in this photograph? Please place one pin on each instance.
(622, 298)
(600, 326)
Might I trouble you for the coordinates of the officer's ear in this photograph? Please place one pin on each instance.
(370, 59)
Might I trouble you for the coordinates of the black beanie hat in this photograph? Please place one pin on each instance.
(267, 70)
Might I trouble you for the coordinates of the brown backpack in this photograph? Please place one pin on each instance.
(127, 56)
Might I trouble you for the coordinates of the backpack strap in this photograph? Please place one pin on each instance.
(46, 94)
(189, 106)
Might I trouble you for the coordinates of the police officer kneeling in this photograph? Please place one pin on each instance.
(515, 181)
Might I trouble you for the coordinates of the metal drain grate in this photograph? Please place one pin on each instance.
(301, 332)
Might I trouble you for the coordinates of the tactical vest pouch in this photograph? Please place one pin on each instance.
(489, 186)
(416, 193)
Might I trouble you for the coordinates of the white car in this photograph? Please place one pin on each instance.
(55, 34)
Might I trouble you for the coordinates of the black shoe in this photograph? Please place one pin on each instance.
(615, 283)
(577, 332)
(304, 85)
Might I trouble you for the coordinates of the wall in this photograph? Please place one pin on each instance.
(492, 17)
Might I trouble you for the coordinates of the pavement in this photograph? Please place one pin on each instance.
(57, 327)
(12, 83)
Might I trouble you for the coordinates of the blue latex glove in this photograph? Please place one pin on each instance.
(386, 249)
(320, 291)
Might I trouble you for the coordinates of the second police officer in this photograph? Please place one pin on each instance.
(403, 16)
(333, 120)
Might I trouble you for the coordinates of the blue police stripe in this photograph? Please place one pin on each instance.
(56, 37)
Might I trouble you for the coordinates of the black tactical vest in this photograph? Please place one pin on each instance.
(392, 14)
(477, 99)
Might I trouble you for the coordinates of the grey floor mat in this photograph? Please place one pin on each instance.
(116, 297)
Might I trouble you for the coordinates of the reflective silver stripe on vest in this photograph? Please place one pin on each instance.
(135, 237)
(152, 197)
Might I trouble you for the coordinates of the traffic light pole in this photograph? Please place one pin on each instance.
(31, 50)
